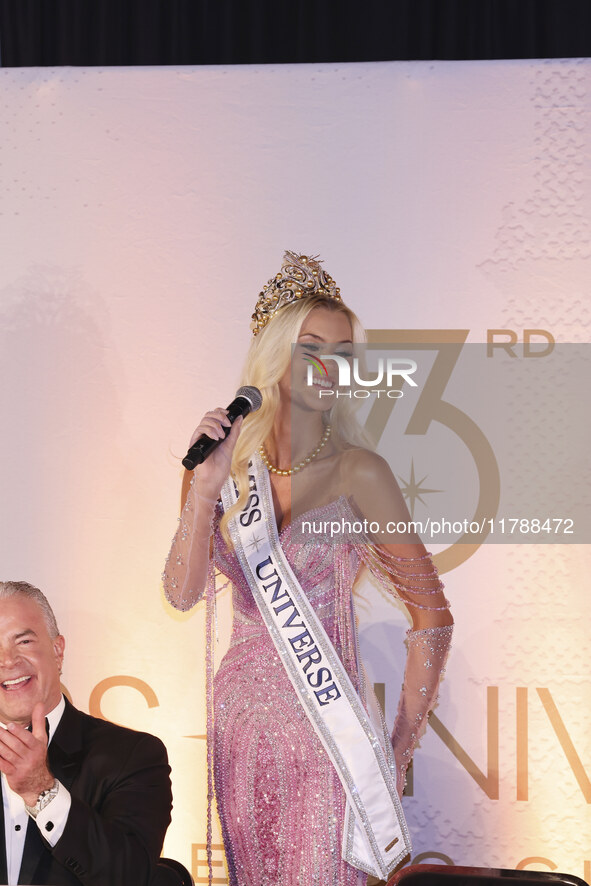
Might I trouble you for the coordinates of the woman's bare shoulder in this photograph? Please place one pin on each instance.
(364, 465)
(371, 485)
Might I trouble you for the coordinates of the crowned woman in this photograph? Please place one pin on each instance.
(307, 779)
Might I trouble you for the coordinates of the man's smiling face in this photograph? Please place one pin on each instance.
(30, 660)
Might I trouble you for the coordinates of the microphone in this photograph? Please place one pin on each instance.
(247, 399)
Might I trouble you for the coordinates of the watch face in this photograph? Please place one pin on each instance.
(47, 796)
(44, 798)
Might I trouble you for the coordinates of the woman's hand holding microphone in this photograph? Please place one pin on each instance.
(214, 439)
(212, 473)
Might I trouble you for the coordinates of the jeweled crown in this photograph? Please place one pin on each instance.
(300, 277)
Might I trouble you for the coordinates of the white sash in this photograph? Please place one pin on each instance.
(376, 836)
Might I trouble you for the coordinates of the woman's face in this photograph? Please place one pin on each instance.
(311, 382)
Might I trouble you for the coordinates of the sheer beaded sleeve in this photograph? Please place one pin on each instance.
(425, 664)
(186, 570)
(415, 581)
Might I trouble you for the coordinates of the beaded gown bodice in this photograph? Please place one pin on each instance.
(324, 569)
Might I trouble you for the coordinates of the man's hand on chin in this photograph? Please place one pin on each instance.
(23, 757)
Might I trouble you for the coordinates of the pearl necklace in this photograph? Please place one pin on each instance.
(302, 464)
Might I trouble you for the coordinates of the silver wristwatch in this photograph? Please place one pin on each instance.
(43, 800)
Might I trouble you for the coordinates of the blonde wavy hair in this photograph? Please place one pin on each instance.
(267, 361)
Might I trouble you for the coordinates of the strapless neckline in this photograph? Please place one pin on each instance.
(312, 513)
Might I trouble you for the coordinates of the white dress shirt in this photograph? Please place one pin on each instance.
(51, 821)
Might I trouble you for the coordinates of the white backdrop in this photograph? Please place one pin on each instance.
(141, 211)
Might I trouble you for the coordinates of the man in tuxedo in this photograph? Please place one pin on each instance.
(83, 801)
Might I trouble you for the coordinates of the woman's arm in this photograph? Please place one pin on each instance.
(185, 573)
(425, 665)
(407, 571)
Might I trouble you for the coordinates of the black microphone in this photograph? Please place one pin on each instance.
(247, 399)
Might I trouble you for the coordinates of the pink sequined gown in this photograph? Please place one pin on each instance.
(280, 800)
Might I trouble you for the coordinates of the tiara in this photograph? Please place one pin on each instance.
(300, 277)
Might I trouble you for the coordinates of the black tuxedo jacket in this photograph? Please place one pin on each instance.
(121, 801)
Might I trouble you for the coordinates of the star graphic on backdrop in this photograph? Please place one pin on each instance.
(255, 542)
(412, 489)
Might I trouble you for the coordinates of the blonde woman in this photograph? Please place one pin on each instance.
(307, 779)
